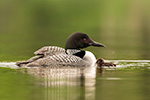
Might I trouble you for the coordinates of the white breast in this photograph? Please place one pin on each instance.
(89, 58)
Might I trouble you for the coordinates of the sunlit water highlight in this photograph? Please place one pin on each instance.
(120, 64)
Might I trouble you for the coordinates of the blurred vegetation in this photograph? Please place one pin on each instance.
(122, 25)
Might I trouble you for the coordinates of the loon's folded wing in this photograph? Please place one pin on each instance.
(49, 51)
(59, 59)
(41, 53)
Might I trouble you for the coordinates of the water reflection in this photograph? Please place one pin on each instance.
(128, 81)
(66, 83)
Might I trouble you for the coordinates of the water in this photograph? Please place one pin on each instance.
(129, 80)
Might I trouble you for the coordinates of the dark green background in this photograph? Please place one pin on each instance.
(122, 25)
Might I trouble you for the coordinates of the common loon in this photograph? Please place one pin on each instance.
(72, 55)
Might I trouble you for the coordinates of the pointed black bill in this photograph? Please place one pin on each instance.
(96, 44)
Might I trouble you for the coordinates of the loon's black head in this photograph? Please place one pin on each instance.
(80, 40)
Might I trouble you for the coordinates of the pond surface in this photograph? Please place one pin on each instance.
(128, 81)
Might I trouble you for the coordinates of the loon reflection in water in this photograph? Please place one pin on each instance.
(72, 55)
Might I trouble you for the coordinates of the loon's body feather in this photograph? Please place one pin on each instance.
(57, 59)
(49, 50)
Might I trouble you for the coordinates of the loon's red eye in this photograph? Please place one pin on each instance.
(84, 39)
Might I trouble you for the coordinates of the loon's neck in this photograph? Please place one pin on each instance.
(76, 52)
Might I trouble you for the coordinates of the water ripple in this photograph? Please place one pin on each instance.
(132, 64)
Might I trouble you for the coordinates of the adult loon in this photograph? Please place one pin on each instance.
(72, 55)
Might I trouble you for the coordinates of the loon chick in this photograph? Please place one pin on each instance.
(100, 63)
(72, 55)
